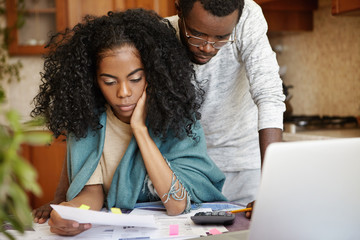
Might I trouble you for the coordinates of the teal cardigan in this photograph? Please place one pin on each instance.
(187, 158)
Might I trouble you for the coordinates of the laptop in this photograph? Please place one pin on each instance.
(309, 190)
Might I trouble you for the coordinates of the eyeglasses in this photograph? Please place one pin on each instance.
(200, 42)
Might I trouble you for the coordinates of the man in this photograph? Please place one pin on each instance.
(244, 103)
(243, 108)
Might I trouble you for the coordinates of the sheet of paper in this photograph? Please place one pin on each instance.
(187, 229)
(103, 232)
(104, 218)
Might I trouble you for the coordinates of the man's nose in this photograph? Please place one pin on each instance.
(208, 48)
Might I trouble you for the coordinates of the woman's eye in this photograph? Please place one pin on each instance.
(109, 82)
(136, 79)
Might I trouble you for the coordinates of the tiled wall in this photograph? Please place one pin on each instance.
(323, 65)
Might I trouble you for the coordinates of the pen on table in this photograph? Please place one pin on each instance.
(241, 210)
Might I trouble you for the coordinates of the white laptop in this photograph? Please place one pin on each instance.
(309, 190)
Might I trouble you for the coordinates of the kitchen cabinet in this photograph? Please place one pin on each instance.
(41, 17)
(323, 134)
(348, 7)
(77, 9)
(48, 162)
(45, 16)
(285, 15)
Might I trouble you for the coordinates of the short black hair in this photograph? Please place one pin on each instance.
(69, 97)
(219, 8)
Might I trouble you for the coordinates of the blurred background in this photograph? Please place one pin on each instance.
(318, 50)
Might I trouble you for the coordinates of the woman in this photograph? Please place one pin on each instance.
(120, 88)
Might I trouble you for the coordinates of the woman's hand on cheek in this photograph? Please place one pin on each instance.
(65, 227)
(139, 115)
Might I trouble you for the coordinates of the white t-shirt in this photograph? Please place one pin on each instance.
(243, 93)
(117, 138)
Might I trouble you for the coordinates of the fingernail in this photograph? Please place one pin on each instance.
(87, 226)
(75, 224)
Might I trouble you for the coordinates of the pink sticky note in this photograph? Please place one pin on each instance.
(214, 231)
(174, 230)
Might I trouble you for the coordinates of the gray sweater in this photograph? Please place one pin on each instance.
(243, 93)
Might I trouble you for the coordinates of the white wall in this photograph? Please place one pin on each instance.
(20, 94)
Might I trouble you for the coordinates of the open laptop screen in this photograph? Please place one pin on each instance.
(309, 190)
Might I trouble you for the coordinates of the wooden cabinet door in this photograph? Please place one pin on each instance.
(77, 9)
(48, 162)
(345, 7)
(164, 8)
(285, 15)
(40, 19)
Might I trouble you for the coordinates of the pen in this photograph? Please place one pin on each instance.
(241, 210)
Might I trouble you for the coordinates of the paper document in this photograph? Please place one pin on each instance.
(123, 227)
(186, 227)
(104, 218)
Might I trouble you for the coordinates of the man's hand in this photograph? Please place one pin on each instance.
(248, 213)
(65, 227)
(42, 213)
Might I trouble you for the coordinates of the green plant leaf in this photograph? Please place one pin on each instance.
(36, 122)
(5, 140)
(18, 206)
(37, 138)
(26, 175)
(13, 118)
(5, 178)
(2, 95)
(16, 175)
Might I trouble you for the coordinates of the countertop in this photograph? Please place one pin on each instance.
(321, 134)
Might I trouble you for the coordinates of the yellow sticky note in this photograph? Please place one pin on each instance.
(85, 207)
(116, 210)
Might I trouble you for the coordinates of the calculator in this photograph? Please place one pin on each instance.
(216, 217)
